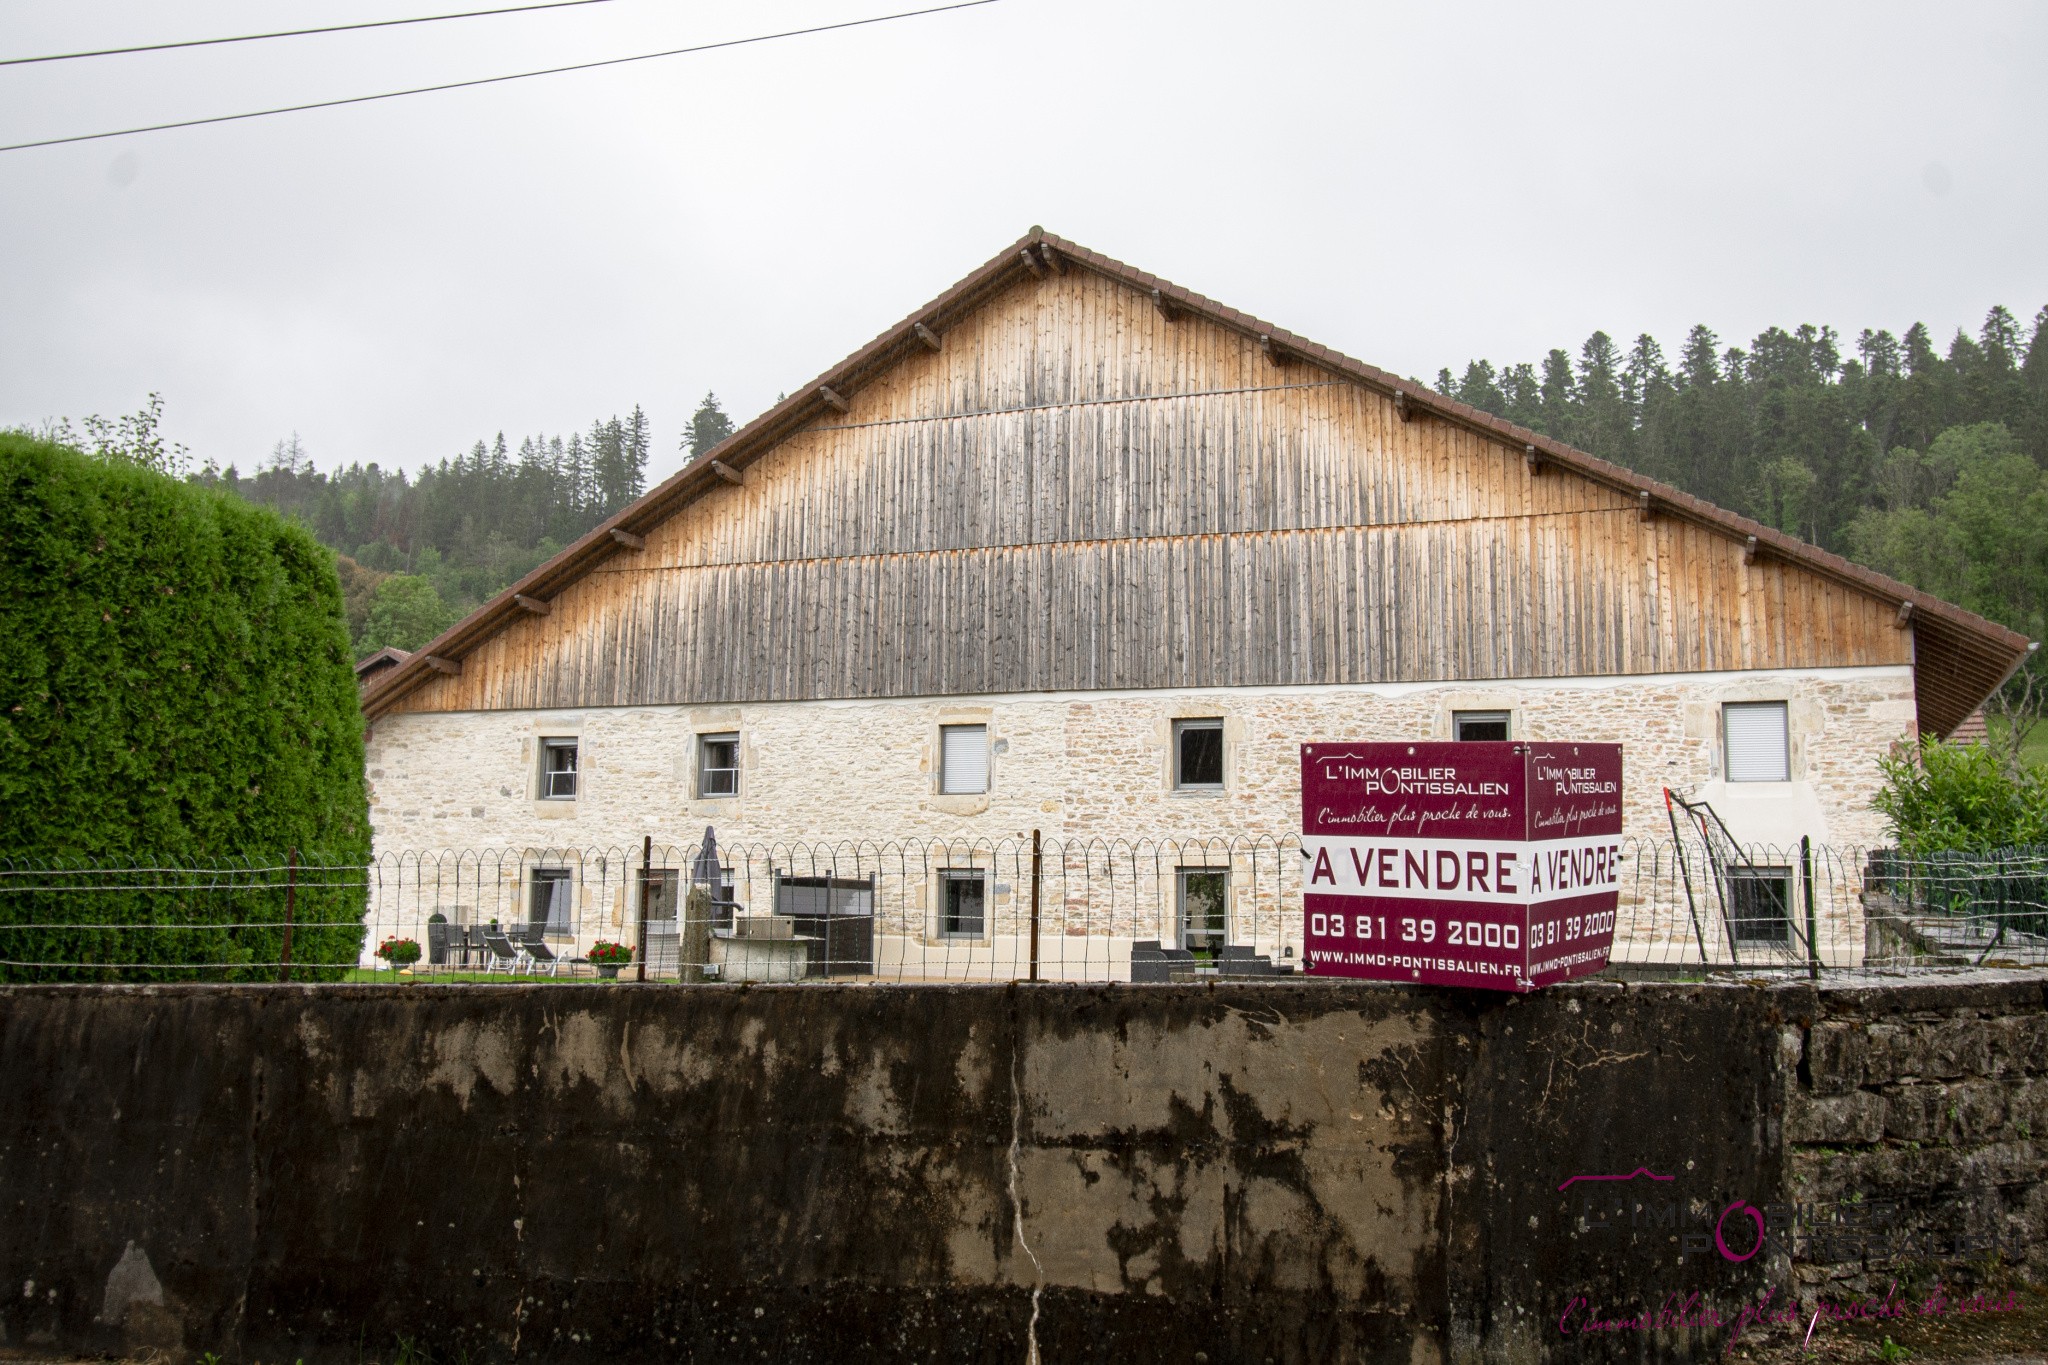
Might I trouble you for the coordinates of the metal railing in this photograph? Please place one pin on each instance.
(938, 910)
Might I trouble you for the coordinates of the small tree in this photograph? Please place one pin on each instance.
(135, 439)
(405, 612)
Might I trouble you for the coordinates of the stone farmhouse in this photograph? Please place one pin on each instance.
(1073, 549)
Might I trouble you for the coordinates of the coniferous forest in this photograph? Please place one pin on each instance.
(1925, 464)
(418, 552)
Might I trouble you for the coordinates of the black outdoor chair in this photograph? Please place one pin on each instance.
(539, 954)
(504, 957)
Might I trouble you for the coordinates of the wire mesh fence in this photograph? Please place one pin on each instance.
(938, 910)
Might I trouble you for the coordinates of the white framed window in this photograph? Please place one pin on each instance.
(1204, 897)
(963, 759)
(1481, 725)
(718, 766)
(558, 770)
(1760, 904)
(963, 903)
(1756, 741)
(1198, 754)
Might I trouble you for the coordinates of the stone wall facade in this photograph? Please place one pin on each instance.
(1100, 764)
(1088, 769)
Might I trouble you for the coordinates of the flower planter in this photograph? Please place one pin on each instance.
(608, 957)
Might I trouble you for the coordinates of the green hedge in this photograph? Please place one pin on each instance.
(175, 688)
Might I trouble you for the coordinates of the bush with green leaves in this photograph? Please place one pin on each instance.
(405, 612)
(1942, 797)
(176, 690)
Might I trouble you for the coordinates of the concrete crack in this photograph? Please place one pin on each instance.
(1017, 1206)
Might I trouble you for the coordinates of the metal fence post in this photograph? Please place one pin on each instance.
(291, 888)
(1036, 854)
(646, 882)
(1812, 933)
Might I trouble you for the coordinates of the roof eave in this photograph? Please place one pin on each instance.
(805, 404)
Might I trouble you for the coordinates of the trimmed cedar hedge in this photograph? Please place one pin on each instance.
(175, 690)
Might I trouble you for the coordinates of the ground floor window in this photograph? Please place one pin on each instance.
(1203, 896)
(963, 904)
(1760, 904)
(548, 910)
(658, 900)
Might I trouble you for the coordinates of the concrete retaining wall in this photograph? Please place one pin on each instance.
(1257, 1172)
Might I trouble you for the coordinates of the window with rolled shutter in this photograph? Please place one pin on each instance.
(1756, 741)
(963, 758)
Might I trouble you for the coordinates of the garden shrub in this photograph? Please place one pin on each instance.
(175, 690)
(1942, 797)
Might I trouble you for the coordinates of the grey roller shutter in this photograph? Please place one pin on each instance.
(963, 758)
(1758, 746)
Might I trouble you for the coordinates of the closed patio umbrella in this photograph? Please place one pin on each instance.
(705, 871)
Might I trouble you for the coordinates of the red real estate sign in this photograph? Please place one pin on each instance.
(1460, 864)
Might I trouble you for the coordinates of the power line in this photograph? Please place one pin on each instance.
(294, 32)
(493, 80)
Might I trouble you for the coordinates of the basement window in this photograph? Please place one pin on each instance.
(1198, 754)
(1479, 725)
(963, 904)
(1756, 741)
(1760, 904)
(963, 759)
(718, 766)
(558, 770)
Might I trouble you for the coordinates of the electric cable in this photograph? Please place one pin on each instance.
(293, 32)
(493, 80)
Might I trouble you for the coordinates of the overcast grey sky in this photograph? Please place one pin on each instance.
(1412, 184)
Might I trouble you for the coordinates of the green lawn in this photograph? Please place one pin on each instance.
(384, 976)
(2035, 753)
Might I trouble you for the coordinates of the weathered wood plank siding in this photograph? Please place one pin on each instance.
(1077, 494)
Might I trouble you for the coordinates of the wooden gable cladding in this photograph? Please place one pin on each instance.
(1345, 605)
(1181, 429)
(1075, 492)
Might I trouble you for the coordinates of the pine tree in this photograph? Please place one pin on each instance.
(639, 435)
(1604, 424)
(708, 426)
(2033, 428)
(1481, 387)
(575, 475)
(1554, 402)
